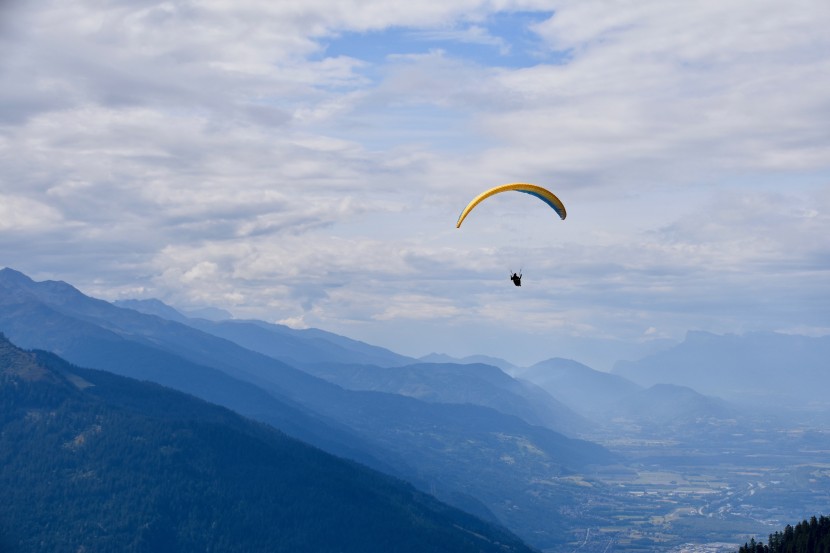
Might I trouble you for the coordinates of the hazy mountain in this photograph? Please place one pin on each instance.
(467, 454)
(96, 462)
(477, 384)
(329, 356)
(581, 388)
(56, 317)
(155, 307)
(299, 347)
(506, 366)
(670, 405)
(662, 410)
(33, 312)
(748, 368)
(293, 346)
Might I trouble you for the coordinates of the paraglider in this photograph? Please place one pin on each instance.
(537, 191)
(542, 193)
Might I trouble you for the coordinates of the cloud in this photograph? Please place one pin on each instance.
(216, 154)
(419, 307)
(644, 98)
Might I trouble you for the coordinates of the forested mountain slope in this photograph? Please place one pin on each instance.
(91, 461)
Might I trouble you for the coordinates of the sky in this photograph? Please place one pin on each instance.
(304, 162)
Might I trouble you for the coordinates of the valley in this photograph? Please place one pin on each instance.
(702, 495)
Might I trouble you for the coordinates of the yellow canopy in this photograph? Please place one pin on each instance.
(543, 194)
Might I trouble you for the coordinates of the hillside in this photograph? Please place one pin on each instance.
(96, 462)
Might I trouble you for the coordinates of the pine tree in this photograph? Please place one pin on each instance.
(811, 536)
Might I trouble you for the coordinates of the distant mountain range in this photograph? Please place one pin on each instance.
(794, 370)
(295, 347)
(580, 387)
(668, 405)
(474, 384)
(506, 366)
(358, 366)
(483, 459)
(614, 401)
(96, 462)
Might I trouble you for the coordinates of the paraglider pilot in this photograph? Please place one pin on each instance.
(517, 279)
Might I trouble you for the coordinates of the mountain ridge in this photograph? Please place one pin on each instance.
(474, 383)
(132, 466)
(293, 346)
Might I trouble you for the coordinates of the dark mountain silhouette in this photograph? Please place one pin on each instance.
(92, 462)
(748, 368)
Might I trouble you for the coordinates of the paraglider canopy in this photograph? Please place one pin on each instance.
(542, 193)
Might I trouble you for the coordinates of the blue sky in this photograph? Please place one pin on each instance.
(500, 39)
(305, 162)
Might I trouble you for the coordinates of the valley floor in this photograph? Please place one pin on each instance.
(708, 494)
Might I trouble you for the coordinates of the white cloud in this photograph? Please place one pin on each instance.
(211, 154)
(415, 306)
(23, 215)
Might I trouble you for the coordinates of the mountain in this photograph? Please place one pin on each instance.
(55, 316)
(506, 366)
(155, 307)
(471, 456)
(476, 384)
(749, 368)
(292, 346)
(621, 407)
(92, 462)
(583, 389)
(670, 405)
(354, 365)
